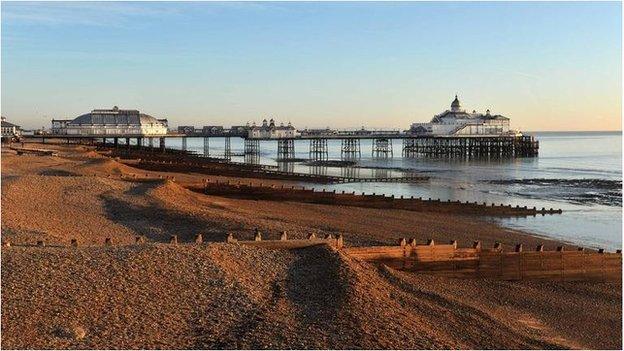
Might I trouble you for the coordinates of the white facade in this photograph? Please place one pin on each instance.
(113, 122)
(9, 130)
(271, 131)
(59, 126)
(458, 122)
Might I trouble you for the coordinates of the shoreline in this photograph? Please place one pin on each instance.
(190, 295)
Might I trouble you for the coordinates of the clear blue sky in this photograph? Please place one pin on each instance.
(548, 66)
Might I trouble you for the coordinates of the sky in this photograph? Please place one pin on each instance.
(546, 65)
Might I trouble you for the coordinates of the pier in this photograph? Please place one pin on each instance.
(413, 145)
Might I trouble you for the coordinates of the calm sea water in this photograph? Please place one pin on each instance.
(579, 172)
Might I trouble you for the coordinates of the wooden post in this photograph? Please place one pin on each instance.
(519, 248)
(230, 238)
(199, 238)
(560, 248)
(173, 239)
(339, 242)
(476, 245)
(454, 243)
(284, 236)
(312, 236)
(430, 242)
(257, 235)
(413, 242)
(328, 236)
(498, 246)
(74, 242)
(402, 242)
(539, 248)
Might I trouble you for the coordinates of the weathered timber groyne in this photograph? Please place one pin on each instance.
(260, 191)
(446, 259)
(180, 161)
(495, 263)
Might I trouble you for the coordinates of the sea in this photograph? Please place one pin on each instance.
(578, 172)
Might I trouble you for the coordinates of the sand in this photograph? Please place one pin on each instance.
(219, 295)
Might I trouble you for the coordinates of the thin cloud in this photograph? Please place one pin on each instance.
(82, 13)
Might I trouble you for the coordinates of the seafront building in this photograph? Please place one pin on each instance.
(457, 121)
(268, 130)
(115, 121)
(59, 126)
(9, 130)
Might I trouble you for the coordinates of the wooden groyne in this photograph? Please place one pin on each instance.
(183, 162)
(432, 258)
(260, 191)
(495, 263)
(38, 152)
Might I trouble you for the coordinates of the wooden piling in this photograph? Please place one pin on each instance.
(476, 245)
(199, 239)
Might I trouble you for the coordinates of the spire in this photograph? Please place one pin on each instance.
(455, 105)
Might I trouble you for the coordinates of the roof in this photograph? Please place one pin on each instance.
(6, 124)
(115, 117)
(465, 115)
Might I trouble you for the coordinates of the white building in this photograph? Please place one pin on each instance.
(59, 126)
(113, 122)
(271, 131)
(9, 130)
(459, 122)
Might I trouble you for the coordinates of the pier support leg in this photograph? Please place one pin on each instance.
(206, 146)
(184, 143)
(318, 149)
(162, 144)
(251, 147)
(285, 149)
(382, 147)
(115, 142)
(227, 150)
(350, 148)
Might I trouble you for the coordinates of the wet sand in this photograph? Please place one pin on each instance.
(224, 296)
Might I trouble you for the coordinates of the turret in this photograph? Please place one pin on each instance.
(455, 105)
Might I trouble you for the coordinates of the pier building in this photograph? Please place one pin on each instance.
(115, 121)
(9, 130)
(59, 126)
(457, 121)
(268, 130)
